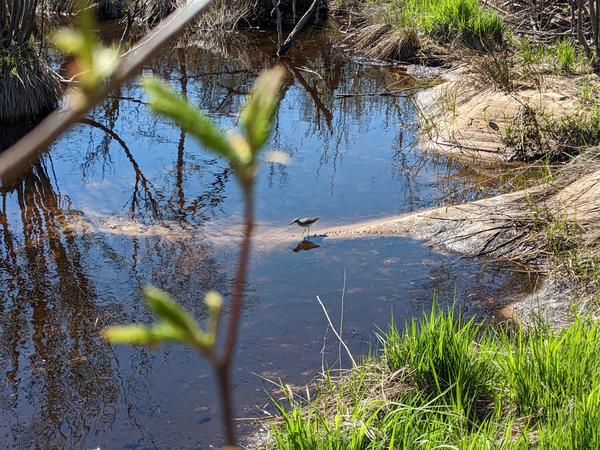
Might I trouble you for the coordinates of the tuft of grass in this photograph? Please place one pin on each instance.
(28, 86)
(588, 91)
(444, 21)
(497, 69)
(575, 426)
(567, 246)
(463, 19)
(566, 56)
(561, 57)
(381, 41)
(542, 388)
(534, 134)
(442, 350)
(545, 371)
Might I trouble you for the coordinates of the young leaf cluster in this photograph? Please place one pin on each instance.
(174, 324)
(256, 119)
(92, 62)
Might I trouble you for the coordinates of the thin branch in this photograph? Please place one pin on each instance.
(298, 28)
(342, 320)
(19, 156)
(336, 333)
(223, 367)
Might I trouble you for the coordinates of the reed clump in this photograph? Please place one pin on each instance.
(382, 41)
(223, 15)
(144, 11)
(28, 87)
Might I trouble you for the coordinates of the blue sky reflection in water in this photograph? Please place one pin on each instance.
(127, 199)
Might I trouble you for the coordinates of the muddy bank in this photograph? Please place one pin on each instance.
(461, 117)
(464, 117)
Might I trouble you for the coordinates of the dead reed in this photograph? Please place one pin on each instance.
(28, 86)
(382, 41)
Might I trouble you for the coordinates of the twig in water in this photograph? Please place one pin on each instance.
(336, 333)
(342, 320)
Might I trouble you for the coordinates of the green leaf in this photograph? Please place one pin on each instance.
(144, 335)
(69, 41)
(171, 313)
(130, 334)
(259, 111)
(172, 105)
(166, 332)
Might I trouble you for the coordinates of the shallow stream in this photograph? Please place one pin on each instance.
(126, 199)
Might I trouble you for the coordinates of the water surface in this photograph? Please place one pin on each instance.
(126, 199)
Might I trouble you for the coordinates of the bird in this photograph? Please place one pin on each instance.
(305, 222)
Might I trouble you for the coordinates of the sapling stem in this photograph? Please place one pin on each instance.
(223, 367)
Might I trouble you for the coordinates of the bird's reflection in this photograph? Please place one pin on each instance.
(307, 244)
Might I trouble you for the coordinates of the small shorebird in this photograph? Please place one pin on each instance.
(306, 222)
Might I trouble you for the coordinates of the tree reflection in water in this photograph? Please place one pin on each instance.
(130, 204)
(55, 364)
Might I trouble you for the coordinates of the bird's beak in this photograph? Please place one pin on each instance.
(292, 223)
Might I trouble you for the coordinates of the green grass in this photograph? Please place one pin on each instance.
(446, 20)
(448, 382)
(444, 356)
(561, 57)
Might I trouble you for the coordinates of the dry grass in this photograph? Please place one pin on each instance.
(371, 384)
(27, 90)
(382, 41)
(223, 15)
(144, 10)
(226, 15)
(496, 69)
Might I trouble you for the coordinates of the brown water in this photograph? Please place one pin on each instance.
(127, 199)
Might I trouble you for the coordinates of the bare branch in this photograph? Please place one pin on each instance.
(19, 156)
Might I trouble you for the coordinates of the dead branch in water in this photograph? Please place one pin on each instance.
(312, 10)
